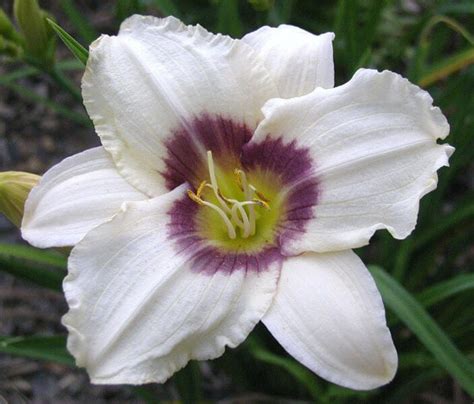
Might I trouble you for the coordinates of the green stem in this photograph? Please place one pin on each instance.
(444, 225)
(25, 92)
(403, 259)
(65, 84)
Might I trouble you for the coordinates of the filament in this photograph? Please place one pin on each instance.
(234, 213)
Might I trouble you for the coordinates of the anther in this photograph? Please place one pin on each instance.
(259, 194)
(238, 179)
(262, 202)
(215, 187)
(230, 227)
(201, 188)
(232, 211)
(194, 197)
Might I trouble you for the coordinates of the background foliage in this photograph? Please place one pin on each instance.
(426, 280)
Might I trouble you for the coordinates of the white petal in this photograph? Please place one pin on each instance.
(73, 197)
(149, 82)
(329, 315)
(374, 151)
(297, 60)
(138, 310)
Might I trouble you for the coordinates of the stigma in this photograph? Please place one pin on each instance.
(237, 215)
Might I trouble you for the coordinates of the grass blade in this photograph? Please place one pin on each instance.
(146, 394)
(299, 372)
(409, 310)
(188, 383)
(228, 18)
(445, 289)
(43, 268)
(444, 224)
(75, 47)
(28, 94)
(462, 8)
(126, 8)
(167, 7)
(406, 391)
(447, 67)
(280, 12)
(44, 257)
(51, 348)
(28, 71)
(82, 25)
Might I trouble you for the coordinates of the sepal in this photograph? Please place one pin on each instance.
(39, 38)
(15, 187)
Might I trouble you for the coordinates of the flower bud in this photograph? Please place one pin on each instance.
(7, 30)
(9, 48)
(261, 5)
(38, 36)
(14, 189)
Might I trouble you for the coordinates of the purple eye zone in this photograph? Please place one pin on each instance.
(186, 148)
(287, 164)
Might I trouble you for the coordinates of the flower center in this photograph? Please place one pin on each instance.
(236, 214)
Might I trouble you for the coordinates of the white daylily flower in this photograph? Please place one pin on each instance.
(247, 179)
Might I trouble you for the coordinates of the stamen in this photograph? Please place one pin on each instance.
(244, 224)
(260, 195)
(230, 228)
(232, 207)
(243, 183)
(261, 202)
(194, 197)
(200, 188)
(237, 178)
(212, 175)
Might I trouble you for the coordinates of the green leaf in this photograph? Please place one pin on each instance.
(444, 224)
(37, 255)
(51, 348)
(466, 7)
(19, 74)
(407, 390)
(39, 41)
(26, 93)
(75, 47)
(409, 310)
(43, 268)
(347, 32)
(446, 289)
(126, 8)
(27, 71)
(65, 83)
(416, 360)
(146, 394)
(82, 25)
(261, 5)
(280, 12)
(228, 18)
(338, 394)
(450, 65)
(7, 29)
(167, 7)
(425, 76)
(299, 372)
(188, 383)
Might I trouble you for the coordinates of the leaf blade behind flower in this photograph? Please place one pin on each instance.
(75, 47)
(409, 310)
(445, 289)
(82, 25)
(299, 372)
(49, 348)
(43, 268)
